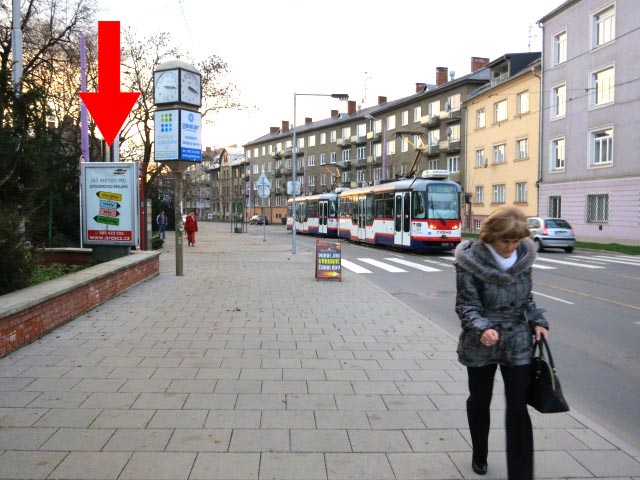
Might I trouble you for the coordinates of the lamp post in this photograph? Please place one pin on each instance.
(339, 96)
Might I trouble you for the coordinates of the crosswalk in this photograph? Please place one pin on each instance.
(439, 264)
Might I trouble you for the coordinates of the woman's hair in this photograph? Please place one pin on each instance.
(504, 223)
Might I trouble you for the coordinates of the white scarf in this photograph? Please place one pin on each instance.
(503, 263)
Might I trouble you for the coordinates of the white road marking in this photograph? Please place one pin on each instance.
(438, 263)
(590, 259)
(382, 265)
(424, 268)
(574, 264)
(354, 267)
(622, 260)
(637, 323)
(543, 267)
(553, 298)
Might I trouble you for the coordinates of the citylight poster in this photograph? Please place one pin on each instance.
(166, 135)
(109, 200)
(190, 142)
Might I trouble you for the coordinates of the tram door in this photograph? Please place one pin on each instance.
(362, 216)
(402, 221)
(323, 212)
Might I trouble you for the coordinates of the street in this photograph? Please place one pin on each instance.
(592, 302)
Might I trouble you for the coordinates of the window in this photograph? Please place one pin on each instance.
(311, 141)
(417, 114)
(498, 194)
(478, 196)
(323, 179)
(332, 157)
(361, 130)
(334, 134)
(521, 192)
(453, 163)
(481, 118)
(433, 137)
(499, 153)
(555, 207)
(556, 153)
(361, 176)
(404, 144)
(522, 148)
(323, 138)
(346, 133)
(477, 225)
(346, 155)
(604, 26)
(270, 167)
(455, 133)
(346, 176)
(480, 162)
(560, 48)
(300, 142)
(361, 153)
(454, 102)
(602, 86)
(312, 180)
(377, 126)
(391, 122)
(311, 161)
(523, 102)
(558, 100)
(601, 146)
(434, 109)
(377, 173)
(432, 165)
(323, 159)
(256, 169)
(597, 208)
(377, 150)
(391, 147)
(500, 111)
(417, 141)
(405, 118)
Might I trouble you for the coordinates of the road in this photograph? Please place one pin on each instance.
(592, 302)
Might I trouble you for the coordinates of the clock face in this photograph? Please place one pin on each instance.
(165, 86)
(189, 87)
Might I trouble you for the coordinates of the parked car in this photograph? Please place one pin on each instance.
(552, 233)
(259, 220)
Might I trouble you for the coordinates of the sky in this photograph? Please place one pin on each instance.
(365, 48)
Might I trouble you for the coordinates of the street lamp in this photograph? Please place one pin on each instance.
(339, 96)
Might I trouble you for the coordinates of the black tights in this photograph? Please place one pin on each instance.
(517, 420)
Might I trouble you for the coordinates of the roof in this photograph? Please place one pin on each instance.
(557, 10)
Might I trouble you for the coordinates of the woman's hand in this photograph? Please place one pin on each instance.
(539, 331)
(489, 337)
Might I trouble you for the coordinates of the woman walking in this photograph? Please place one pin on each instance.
(499, 322)
(191, 227)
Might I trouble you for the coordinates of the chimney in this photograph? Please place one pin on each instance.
(442, 74)
(285, 126)
(334, 113)
(351, 107)
(382, 100)
(478, 62)
(308, 120)
(274, 129)
(421, 87)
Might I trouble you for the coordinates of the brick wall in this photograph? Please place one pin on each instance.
(24, 326)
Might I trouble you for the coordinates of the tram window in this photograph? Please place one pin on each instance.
(312, 208)
(369, 216)
(388, 205)
(332, 208)
(418, 205)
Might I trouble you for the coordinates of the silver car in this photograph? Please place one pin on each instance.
(552, 233)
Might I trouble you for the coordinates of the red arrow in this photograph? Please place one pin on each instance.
(109, 106)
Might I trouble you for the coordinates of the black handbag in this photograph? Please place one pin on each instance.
(545, 393)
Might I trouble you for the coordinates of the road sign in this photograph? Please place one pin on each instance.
(263, 181)
(264, 191)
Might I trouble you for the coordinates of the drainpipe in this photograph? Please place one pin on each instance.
(541, 120)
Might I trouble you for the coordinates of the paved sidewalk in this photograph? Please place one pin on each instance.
(247, 368)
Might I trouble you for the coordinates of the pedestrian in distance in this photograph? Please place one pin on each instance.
(161, 220)
(500, 321)
(191, 227)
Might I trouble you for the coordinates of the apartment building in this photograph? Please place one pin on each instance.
(228, 176)
(370, 145)
(589, 169)
(503, 123)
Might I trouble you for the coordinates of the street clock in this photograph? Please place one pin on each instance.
(177, 82)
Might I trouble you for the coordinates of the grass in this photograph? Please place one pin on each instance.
(609, 247)
(44, 273)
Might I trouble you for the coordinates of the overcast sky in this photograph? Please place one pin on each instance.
(365, 48)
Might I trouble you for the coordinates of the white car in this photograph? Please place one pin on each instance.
(552, 233)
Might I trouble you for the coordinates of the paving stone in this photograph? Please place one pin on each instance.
(212, 401)
(155, 385)
(78, 439)
(608, 463)
(343, 419)
(233, 419)
(448, 440)
(150, 401)
(122, 418)
(265, 440)
(261, 401)
(297, 401)
(21, 417)
(92, 465)
(383, 441)
(17, 399)
(159, 466)
(395, 420)
(309, 374)
(110, 400)
(29, 465)
(288, 419)
(320, 441)
(423, 466)
(98, 385)
(199, 440)
(292, 466)
(226, 466)
(191, 386)
(360, 402)
(65, 417)
(139, 440)
(178, 419)
(358, 466)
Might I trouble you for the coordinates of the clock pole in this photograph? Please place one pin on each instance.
(177, 95)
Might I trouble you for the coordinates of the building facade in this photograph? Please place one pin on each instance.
(502, 139)
(589, 169)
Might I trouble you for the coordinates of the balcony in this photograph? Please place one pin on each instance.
(361, 162)
(433, 149)
(454, 146)
(288, 151)
(344, 142)
(359, 139)
(374, 135)
(455, 176)
(444, 145)
(277, 173)
(276, 154)
(430, 120)
(371, 160)
(454, 115)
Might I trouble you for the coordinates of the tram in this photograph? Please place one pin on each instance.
(419, 213)
(315, 214)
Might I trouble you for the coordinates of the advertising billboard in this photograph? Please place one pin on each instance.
(177, 135)
(109, 201)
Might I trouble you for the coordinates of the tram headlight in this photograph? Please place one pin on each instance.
(433, 226)
(455, 227)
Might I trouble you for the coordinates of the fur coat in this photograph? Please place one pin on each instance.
(487, 297)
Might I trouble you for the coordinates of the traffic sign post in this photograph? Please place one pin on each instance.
(263, 186)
